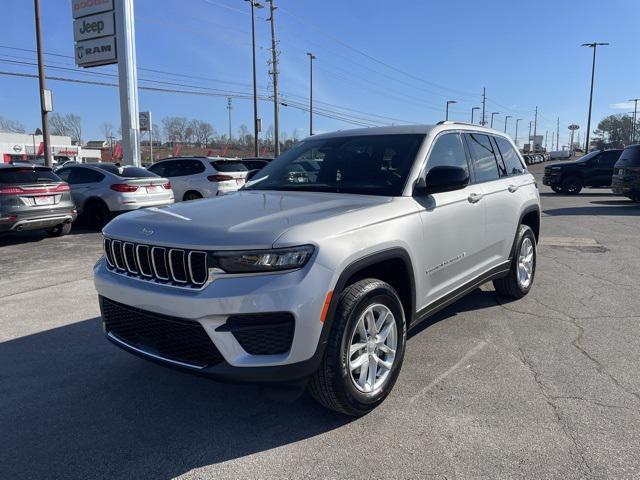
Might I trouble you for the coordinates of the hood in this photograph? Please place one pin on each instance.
(572, 163)
(246, 219)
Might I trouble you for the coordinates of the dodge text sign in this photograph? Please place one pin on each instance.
(101, 51)
(82, 8)
(95, 26)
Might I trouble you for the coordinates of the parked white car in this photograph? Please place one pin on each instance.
(201, 177)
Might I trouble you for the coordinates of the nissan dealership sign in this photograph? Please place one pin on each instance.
(94, 32)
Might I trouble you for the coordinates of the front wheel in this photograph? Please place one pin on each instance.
(519, 280)
(572, 185)
(365, 349)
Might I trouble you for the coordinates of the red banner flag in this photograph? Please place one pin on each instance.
(40, 149)
(209, 153)
(225, 151)
(177, 150)
(117, 151)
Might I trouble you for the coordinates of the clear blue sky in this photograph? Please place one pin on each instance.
(397, 59)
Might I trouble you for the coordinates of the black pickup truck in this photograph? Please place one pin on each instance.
(593, 170)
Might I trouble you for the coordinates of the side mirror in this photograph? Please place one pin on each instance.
(442, 179)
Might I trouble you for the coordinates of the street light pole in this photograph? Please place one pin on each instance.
(635, 117)
(254, 5)
(46, 139)
(446, 116)
(507, 117)
(593, 45)
(517, 122)
(274, 66)
(311, 58)
(229, 108)
(472, 111)
(492, 115)
(530, 124)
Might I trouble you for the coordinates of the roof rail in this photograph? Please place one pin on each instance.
(454, 122)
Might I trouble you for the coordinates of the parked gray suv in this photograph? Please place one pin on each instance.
(33, 197)
(311, 275)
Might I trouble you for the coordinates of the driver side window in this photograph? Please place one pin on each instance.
(448, 151)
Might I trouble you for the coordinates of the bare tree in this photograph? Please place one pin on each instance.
(243, 134)
(175, 128)
(156, 133)
(269, 135)
(68, 125)
(203, 132)
(107, 130)
(11, 126)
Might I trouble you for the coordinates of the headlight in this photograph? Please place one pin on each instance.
(255, 261)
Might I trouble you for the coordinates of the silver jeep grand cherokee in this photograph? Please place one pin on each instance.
(311, 275)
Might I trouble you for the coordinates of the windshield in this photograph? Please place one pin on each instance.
(368, 165)
(28, 175)
(588, 156)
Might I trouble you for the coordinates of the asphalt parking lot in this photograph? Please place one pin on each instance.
(545, 387)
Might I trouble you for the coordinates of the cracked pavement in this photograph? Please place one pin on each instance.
(544, 387)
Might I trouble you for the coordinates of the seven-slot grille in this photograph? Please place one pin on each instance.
(171, 266)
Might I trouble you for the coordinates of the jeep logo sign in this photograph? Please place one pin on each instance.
(94, 26)
(101, 51)
(82, 8)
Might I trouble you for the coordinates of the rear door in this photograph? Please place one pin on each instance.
(453, 226)
(84, 183)
(490, 176)
(604, 167)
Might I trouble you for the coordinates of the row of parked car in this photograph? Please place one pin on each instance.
(618, 169)
(37, 197)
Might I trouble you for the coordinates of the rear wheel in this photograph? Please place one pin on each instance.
(59, 230)
(191, 195)
(365, 349)
(97, 214)
(519, 280)
(572, 185)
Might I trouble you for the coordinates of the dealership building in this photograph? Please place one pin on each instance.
(28, 147)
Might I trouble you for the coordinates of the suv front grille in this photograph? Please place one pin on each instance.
(170, 266)
(172, 338)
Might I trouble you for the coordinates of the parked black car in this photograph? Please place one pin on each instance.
(33, 197)
(255, 164)
(593, 170)
(626, 174)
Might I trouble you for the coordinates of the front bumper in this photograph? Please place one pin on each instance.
(300, 292)
(551, 179)
(135, 205)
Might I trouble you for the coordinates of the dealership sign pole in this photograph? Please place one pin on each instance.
(104, 34)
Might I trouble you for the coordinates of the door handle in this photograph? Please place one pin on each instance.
(474, 197)
(513, 188)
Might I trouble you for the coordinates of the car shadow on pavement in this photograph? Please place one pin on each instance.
(473, 301)
(74, 406)
(32, 236)
(608, 193)
(628, 209)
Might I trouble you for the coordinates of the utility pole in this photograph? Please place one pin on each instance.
(553, 139)
(274, 73)
(517, 122)
(44, 93)
(472, 111)
(635, 117)
(311, 58)
(535, 124)
(593, 45)
(506, 117)
(254, 5)
(558, 135)
(229, 108)
(546, 133)
(530, 124)
(483, 122)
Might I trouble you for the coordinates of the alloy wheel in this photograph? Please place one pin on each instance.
(526, 263)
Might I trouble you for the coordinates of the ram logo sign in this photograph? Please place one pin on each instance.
(101, 51)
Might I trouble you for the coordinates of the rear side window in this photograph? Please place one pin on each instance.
(630, 157)
(226, 166)
(27, 175)
(161, 168)
(510, 157)
(84, 175)
(483, 157)
(448, 151)
(609, 158)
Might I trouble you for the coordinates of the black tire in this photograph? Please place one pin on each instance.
(571, 185)
(59, 230)
(556, 188)
(191, 195)
(332, 385)
(509, 286)
(97, 214)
